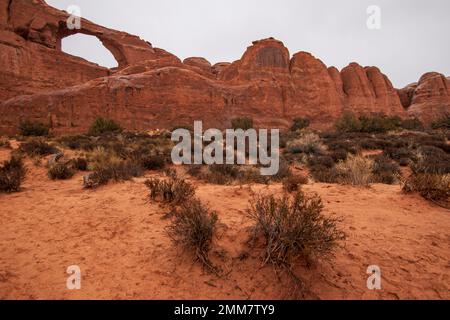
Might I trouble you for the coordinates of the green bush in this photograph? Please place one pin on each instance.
(243, 123)
(12, 174)
(102, 126)
(29, 128)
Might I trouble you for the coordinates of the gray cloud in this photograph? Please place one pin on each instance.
(413, 38)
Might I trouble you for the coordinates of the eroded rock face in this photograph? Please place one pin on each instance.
(152, 88)
(430, 98)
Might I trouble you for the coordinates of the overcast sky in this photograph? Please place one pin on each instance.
(413, 39)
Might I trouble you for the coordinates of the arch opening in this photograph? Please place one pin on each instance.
(89, 48)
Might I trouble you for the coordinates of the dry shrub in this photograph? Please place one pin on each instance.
(294, 228)
(173, 191)
(12, 174)
(193, 228)
(293, 183)
(30, 128)
(101, 126)
(356, 171)
(80, 164)
(309, 143)
(385, 170)
(433, 187)
(60, 171)
(121, 171)
(37, 147)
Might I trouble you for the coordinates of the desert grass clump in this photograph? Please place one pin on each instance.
(433, 187)
(193, 228)
(33, 129)
(293, 183)
(294, 228)
(37, 147)
(173, 191)
(60, 171)
(309, 143)
(12, 174)
(355, 171)
(101, 126)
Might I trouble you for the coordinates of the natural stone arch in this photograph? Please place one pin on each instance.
(110, 44)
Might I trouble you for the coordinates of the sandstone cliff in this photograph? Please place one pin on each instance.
(152, 88)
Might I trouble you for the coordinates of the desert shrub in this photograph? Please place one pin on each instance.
(375, 123)
(385, 171)
(324, 161)
(293, 228)
(12, 174)
(348, 122)
(29, 128)
(117, 171)
(300, 124)
(309, 144)
(154, 162)
(77, 142)
(4, 143)
(37, 147)
(60, 171)
(80, 164)
(412, 124)
(431, 160)
(356, 171)
(293, 183)
(433, 187)
(221, 174)
(442, 123)
(101, 158)
(101, 126)
(322, 169)
(399, 153)
(338, 155)
(379, 123)
(173, 191)
(194, 170)
(193, 228)
(243, 123)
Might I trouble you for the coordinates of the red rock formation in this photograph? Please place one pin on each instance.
(152, 88)
(430, 98)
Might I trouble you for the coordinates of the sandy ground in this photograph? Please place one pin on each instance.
(118, 239)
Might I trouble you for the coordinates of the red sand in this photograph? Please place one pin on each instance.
(117, 237)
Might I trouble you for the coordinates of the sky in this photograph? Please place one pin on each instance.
(412, 38)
